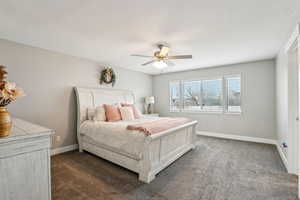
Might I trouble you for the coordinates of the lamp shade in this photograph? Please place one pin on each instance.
(149, 100)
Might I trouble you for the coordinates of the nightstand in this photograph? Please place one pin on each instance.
(151, 115)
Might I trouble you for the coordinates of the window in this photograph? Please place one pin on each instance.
(206, 95)
(175, 96)
(212, 98)
(233, 85)
(192, 95)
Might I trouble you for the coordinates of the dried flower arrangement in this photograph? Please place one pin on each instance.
(8, 90)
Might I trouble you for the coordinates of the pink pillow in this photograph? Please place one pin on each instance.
(112, 113)
(136, 112)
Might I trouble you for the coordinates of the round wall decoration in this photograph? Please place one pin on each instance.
(108, 76)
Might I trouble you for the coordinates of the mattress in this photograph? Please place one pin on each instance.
(115, 137)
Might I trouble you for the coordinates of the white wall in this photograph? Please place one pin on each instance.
(258, 99)
(282, 97)
(48, 79)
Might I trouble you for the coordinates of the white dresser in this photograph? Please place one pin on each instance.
(25, 163)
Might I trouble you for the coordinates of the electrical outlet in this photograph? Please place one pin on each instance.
(284, 145)
(57, 138)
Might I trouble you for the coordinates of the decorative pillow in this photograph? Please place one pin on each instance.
(127, 113)
(112, 113)
(137, 113)
(100, 114)
(91, 113)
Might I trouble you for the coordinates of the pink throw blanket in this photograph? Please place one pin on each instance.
(157, 126)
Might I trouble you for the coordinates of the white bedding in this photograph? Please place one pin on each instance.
(115, 136)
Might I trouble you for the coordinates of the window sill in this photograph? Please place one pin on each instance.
(202, 112)
(208, 112)
(233, 113)
(175, 111)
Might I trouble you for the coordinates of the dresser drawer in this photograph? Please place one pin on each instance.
(24, 146)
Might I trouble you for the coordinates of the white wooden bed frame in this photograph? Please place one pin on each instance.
(160, 150)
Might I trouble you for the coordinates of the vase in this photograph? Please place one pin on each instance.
(5, 122)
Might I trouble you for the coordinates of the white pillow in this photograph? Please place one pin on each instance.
(100, 114)
(91, 113)
(127, 113)
(138, 112)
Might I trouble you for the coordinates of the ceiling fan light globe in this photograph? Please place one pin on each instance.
(160, 65)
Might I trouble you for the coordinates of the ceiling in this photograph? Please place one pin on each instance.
(215, 32)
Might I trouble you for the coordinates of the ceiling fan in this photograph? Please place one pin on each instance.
(161, 59)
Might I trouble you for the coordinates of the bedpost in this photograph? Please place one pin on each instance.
(193, 136)
(80, 146)
(78, 119)
(146, 175)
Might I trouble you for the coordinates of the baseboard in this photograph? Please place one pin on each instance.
(63, 149)
(237, 137)
(282, 155)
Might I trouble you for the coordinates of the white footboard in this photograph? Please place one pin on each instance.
(159, 151)
(164, 148)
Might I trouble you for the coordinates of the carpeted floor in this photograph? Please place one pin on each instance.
(216, 170)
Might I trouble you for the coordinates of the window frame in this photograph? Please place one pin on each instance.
(225, 86)
(180, 96)
(224, 95)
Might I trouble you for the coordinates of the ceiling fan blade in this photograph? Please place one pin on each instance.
(169, 63)
(138, 55)
(164, 51)
(180, 57)
(147, 63)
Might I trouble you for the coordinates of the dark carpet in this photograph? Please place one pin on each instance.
(216, 170)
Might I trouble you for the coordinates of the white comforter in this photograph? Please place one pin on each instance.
(115, 136)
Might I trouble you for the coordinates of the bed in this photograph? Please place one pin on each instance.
(145, 155)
